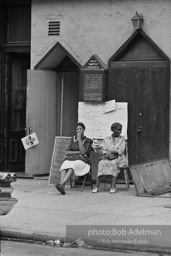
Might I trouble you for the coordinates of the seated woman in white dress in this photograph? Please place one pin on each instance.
(113, 157)
(77, 158)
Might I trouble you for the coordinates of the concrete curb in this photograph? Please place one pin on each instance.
(31, 237)
(35, 238)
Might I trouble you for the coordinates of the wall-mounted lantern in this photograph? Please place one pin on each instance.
(137, 21)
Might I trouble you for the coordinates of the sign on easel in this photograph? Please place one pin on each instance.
(60, 145)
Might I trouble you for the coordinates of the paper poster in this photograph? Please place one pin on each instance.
(30, 141)
(98, 123)
(109, 106)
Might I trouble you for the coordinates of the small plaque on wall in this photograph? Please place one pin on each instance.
(93, 80)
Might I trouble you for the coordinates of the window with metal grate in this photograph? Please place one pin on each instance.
(54, 28)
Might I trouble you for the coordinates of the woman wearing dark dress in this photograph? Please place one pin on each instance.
(77, 159)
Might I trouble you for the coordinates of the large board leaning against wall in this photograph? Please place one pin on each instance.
(60, 145)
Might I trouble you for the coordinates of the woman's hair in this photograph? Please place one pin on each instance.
(80, 124)
(114, 125)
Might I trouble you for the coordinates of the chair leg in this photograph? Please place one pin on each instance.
(105, 181)
(83, 183)
(126, 179)
(91, 181)
(72, 181)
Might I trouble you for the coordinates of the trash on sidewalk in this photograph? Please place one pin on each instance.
(79, 242)
(54, 242)
(58, 243)
(152, 178)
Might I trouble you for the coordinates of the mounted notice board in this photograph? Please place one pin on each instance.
(93, 86)
(60, 145)
(98, 118)
(93, 80)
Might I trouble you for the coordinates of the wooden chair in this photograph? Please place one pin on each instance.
(124, 169)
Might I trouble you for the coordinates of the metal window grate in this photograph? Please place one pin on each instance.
(54, 28)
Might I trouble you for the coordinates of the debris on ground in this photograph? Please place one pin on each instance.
(79, 242)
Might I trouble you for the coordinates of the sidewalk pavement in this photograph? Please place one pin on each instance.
(41, 213)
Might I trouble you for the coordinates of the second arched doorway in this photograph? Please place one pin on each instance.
(138, 74)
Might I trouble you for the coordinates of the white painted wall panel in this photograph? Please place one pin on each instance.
(97, 27)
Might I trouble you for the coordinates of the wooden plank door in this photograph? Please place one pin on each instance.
(153, 110)
(42, 116)
(144, 86)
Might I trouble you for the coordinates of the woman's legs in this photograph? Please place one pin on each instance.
(113, 185)
(63, 173)
(95, 190)
(65, 176)
(98, 182)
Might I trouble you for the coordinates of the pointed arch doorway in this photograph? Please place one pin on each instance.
(52, 104)
(139, 75)
(67, 69)
(67, 97)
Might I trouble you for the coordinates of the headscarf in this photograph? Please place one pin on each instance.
(114, 125)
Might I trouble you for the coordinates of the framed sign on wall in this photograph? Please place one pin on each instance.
(93, 80)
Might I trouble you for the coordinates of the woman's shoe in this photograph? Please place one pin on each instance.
(60, 189)
(95, 190)
(112, 190)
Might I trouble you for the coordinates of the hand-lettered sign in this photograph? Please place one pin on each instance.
(93, 80)
(60, 145)
(30, 141)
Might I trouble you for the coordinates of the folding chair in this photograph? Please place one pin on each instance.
(76, 179)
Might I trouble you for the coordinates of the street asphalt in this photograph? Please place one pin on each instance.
(121, 221)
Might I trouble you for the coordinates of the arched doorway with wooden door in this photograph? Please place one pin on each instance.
(139, 75)
(52, 104)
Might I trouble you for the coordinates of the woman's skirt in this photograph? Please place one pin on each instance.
(80, 168)
(106, 167)
(111, 167)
